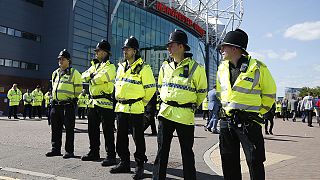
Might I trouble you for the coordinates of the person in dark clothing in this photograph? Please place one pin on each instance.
(269, 117)
(149, 115)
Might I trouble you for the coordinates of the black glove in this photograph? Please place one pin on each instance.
(92, 75)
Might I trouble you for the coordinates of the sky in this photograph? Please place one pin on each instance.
(285, 35)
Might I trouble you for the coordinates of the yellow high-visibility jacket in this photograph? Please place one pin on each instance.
(66, 86)
(102, 82)
(27, 98)
(47, 99)
(83, 100)
(278, 107)
(253, 91)
(173, 86)
(132, 84)
(14, 97)
(205, 104)
(37, 97)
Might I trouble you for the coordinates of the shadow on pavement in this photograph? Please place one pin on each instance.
(293, 136)
(277, 139)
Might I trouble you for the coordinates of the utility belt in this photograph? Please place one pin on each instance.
(129, 101)
(239, 117)
(107, 96)
(187, 105)
(62, 103)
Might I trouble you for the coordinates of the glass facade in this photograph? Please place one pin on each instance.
(90, 26)
(152, 32)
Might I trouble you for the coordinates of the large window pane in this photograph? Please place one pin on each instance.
(131, 29)
(11, 31)
(126, 11)
(1, 62)
(3, 29)
(84, 5)
(125, 28)
(119, 27)
(15, 64)
(82, 33)
(137, 16)
(8, 63)
(17, 33)
(83, 19)
(132, 14)
(137, 31)
(120, 11)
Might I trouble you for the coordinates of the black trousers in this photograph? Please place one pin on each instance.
(62, 115)
(13, 109)
(81, 112)
(186, 138)
(266, 124)
(27, 108)
(135, 121)
(104, 116)
(309, 115)
(251, 139)
(38, 110)
(149, 120)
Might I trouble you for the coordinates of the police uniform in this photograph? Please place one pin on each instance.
(66, 86)
(14, 96)
(246, 91)
(27, 101)
(134, 87)
(182, 88)
(37, 102)
(82, 105)
(101, 87)
(48, 104)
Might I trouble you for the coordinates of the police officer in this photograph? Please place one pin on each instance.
(66, 86)
(82, 104)
(14, 95)
(37, 101)
(134, 87)
(101, 76)
(183, 87)
(27, 101)
(48, 104)
(247, 91)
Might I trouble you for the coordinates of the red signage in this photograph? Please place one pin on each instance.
(179, 16)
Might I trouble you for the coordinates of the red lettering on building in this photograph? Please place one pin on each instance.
(180, 17)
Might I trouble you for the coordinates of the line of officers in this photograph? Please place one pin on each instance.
(123, 94)
(244, 86)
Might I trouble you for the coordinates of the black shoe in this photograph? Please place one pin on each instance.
(215, 131)
(303, 121)
(109, 162)
(310, 125)
(16, 117)
(91, 157)
(53, 153)
(267, 132)
(271, 132)
(138, 173)
(122, 167)
(68, 155)
(9, 117)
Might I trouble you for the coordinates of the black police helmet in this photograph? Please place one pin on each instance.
(237, 38)
(131, 42)
(64, 53)
(180, 37)
(103, 45)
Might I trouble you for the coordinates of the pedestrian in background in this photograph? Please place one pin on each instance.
(214, 107)
(37, 97)
(308, 107)
(268, 117)
(246, 89)
(205, 110)
(67, 85)
(134, 87)
(149, 115)
(284, 109)
(101, 76)
(82, 104)
(293, 106)
(48, 104)
(14, 95)
(183, 87)
(27, 101)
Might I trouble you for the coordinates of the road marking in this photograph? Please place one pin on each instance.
(7, 178)
(31, 173)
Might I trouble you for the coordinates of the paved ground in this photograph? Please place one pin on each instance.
(293, 152)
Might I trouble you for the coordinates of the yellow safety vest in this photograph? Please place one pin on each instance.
(90, 103)
(131, 85)
(14, 97)
(83, 100)
(205, 104)
(27, 98)
(278, 107)
(102, 83)
(67, 86)
(253, 91)
(37, 97)
(48, 99)
(173, 86)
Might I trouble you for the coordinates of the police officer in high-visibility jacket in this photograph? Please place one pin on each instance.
(66, 86)
(247, 91)
(183, 86)
(82, 104)
(14, 95)
(134, 87)
(101, 76)
(37, 101)
(27, 101)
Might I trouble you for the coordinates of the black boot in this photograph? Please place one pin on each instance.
(109, 161)
(138, 173)
(122, 167)
(91, 156)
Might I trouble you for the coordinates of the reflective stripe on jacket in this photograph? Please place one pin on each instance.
(102, 82)
(173, 86)
(253, 91)
(132, 85)
(37, 97)
(67, 86)
(27, 98)
(14, 97)
(83, 100)
(47, 99)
